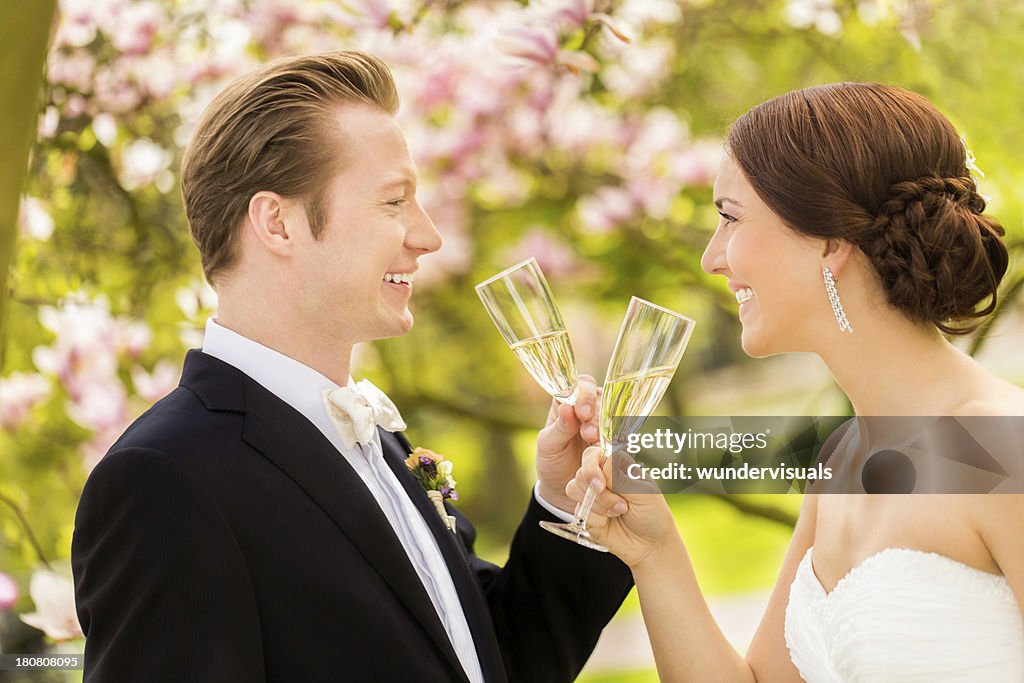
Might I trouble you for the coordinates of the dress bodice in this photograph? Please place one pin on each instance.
(905, 615)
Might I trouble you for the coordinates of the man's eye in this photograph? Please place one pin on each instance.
(397, 202)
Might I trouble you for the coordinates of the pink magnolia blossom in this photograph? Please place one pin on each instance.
(698, 164)
(571, 13)
(503, 184)
(641, 12)
(269, 20)
(132, 337)
(85, 345)
(49, 121)
(136, 27)
(19, 393)
(116, 91)
(198, 297)
(153, 386)
(369, 14)
(528, 45)
(639, 68)
(101, 404)
(8, 592)
(34, 220)
(93, 450)
(54, 597)
(553, 256)
(85, 359)
(76, 25)
(74, 70)
(142, 161)
(578, 125)
(606, 209)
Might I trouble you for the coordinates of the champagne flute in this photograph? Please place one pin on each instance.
(650, 344)
(520, 303)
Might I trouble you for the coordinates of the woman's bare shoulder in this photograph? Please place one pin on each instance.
(1001, 398)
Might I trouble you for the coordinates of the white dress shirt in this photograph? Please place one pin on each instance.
(302, 388)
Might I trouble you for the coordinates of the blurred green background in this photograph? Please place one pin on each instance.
(538, 131)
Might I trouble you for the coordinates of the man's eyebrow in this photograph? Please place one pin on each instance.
(722, 200)
(400, 180)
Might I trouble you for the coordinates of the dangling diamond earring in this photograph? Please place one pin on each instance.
(833, 298)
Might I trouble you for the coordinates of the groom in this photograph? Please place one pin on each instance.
(250, 527)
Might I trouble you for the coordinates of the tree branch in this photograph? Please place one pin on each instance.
(33, 541)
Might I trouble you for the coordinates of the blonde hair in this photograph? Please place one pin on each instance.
(270, 130)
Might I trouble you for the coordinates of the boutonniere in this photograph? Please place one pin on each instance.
(434, 473)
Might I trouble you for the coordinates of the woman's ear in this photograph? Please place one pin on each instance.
(835, 254)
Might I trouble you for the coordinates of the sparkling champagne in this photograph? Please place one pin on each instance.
(628, 401)
(549, 358)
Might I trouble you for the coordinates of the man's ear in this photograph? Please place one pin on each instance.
(835, 254)
(267, 224)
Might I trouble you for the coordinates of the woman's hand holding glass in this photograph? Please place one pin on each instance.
(631, 525)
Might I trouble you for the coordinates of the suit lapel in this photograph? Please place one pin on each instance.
(396, 447)
(300, 451)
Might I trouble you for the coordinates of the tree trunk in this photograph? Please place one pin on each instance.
(24, 36)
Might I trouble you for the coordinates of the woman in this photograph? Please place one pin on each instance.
(851, 227)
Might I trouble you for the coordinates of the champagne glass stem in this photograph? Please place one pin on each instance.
(587, 504)
(584, 508)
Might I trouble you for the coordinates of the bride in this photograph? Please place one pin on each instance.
(866, 188)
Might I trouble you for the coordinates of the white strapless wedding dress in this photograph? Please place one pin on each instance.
(905, 615)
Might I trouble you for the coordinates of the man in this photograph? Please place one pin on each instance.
(239, 531)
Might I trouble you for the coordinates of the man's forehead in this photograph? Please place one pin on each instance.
(400, 177)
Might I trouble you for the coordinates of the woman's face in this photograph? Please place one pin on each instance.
(774, 272)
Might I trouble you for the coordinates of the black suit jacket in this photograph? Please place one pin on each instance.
(223, 538)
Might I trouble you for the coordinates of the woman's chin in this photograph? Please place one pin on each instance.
(754, 344)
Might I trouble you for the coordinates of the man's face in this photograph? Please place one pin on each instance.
(355, 281)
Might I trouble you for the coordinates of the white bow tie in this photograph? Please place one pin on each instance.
(356, 410)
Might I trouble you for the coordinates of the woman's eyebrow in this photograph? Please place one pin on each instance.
(722, 200)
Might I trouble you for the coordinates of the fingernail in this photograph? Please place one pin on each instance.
(597, 484)
(586, 411)
(619, 508)
(562, 422)
(590, 433)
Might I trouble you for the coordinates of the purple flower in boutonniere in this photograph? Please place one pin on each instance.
(434, 474)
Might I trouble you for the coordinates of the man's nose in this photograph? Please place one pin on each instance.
(423, 235)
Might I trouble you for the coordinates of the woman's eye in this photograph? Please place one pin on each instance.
(726, 217)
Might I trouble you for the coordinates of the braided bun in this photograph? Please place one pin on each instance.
(937, 256)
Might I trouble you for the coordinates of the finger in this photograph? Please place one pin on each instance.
(591, 470)
(552, 412)
(607, 502)
(558, 433)
(586, 398)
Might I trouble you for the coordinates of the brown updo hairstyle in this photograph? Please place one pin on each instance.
(882, 168)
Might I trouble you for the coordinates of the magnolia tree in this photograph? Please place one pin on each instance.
(581, 132)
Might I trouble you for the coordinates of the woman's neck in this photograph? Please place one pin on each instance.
(891, 366)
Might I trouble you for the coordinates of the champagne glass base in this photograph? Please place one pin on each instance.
(573, 532)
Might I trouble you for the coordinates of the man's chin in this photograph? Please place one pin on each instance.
(398, 327)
